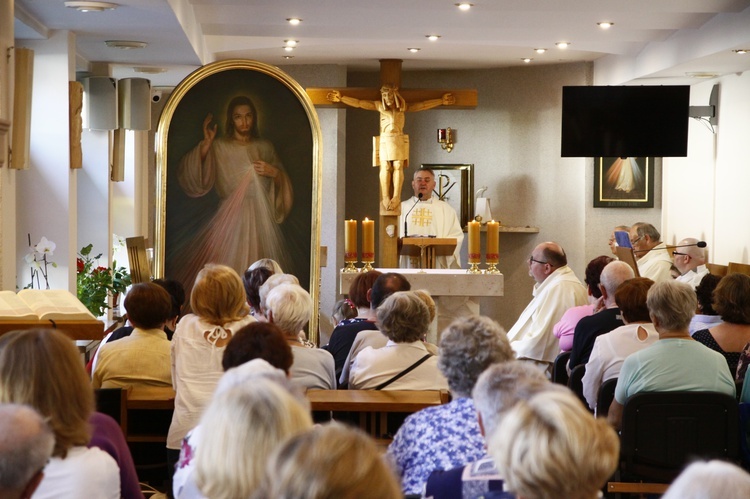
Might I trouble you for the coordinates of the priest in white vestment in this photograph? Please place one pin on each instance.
(654, 260)
(690, 260)
(429, 216)
(556, 290)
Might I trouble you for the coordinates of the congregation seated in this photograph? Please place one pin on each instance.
(705, 316)
(248, 417)
(498, 389)
(142, 358)
(714, 478)
(270, 283)
(42, 369)
(404, 363)
(342, 337)
(449, 435)
(675, 362)
(565, 328)
(219, 310)
(257, 341)
(177, 299)
(289, 307)
(26, 443)
(551, 446)
(367, 334)
(253, 280)
(611, 349)
(330, 461)
(732, 302)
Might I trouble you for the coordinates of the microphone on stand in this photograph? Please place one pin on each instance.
(406, 218)
(700, 244)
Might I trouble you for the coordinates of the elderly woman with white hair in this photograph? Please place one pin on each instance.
(551, 446)
(710, 479)
(404, 363)
(447, 436)
(289, 307)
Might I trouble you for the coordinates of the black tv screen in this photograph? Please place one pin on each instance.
(625, 121)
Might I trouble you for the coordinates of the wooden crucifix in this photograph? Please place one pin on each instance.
(391, 148)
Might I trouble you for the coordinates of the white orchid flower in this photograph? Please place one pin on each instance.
(45, 246)
(30, 257)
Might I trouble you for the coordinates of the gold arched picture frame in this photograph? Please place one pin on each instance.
(231, 202)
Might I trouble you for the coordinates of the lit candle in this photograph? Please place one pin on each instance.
(493, 242)
(368, 240)
(350, 240)
(474, 254)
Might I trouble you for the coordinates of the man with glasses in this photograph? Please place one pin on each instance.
(651, 254)
(690, 260)
(556, 290)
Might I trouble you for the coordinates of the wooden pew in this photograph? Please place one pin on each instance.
(142, 405)
(373, 406)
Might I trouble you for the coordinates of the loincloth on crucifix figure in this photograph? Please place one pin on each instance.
(391, 147)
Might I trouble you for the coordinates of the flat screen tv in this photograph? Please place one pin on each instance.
(625, 121)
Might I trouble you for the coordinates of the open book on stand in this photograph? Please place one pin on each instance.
(51, 308)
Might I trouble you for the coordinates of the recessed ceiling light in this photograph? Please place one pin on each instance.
(540, 51)
(149, 70)
(605, 24)
(126, 44)
(464, 5)
(91, 6)
(701, 74)
(291, 43)
(741, 51)
(527, 59)
(294, 21)
(433, 38)
(288, 48)
(288, 57)
(562, 45)
(413, 50)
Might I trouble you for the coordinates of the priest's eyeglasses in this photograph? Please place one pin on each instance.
(531, 259)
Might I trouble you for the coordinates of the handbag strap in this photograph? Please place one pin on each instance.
(404, 372)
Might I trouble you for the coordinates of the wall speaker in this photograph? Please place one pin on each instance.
(99, 103)
(134, 103)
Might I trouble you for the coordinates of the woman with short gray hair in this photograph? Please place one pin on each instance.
(404, 363)
(447, 436)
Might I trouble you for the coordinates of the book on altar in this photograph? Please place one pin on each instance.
(42, 304)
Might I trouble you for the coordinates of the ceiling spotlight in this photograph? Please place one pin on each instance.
(433, 38)
(288, 48)
(291, 43)
(540, 51)
(288, 57)
(91, 6)
(464, 5)
(149, 70)
(701, 74)
(527, 59)
(741, 51)
(605, 25)
(413, 50)
(294, 21)
(126, 44)
(562, 45)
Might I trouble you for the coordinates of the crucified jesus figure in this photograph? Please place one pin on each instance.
(391, 148)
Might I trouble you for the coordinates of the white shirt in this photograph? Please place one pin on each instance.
(432, 218)
(656, 264)
(374, 366)
(85, 472)
(531, 336)
(608, 354)
(694, 276)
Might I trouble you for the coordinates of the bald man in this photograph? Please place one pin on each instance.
(690, 261)
(26, 444)
(556, 290)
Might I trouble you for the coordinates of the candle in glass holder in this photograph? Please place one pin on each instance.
(368, 240)
(350, 240)
(474, 251)
(493, 242)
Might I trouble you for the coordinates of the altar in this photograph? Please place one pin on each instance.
(455, 291)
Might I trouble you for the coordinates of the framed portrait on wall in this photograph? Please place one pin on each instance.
(624, 182)
(455, 186)
(238, 157)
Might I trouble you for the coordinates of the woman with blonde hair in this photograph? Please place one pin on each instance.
(330, 462)
(245, 424)
(219, 309)
(550, 446)
(42, 369)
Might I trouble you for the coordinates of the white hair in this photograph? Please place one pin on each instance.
(710, 479)
(290, 307)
